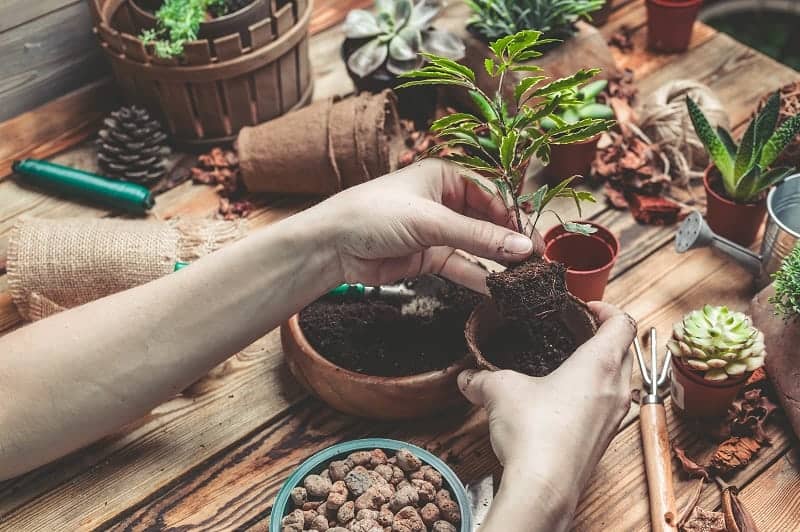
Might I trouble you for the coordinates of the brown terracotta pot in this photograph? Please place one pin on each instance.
(670, 24)
(588, 259)
(486, 319)
(695, 397)
(567, 160)
(366, 395)
(739, 222)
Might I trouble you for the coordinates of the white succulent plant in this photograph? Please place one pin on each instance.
(398, 32)
(719, 342)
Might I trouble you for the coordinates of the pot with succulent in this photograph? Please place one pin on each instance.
(576, 158)
(737, 181)
(532, 323)
(380, 47)
(714, 350)
(670, 24)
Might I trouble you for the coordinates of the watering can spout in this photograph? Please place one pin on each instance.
(695, 233)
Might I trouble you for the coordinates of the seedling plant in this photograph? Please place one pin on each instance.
(502, 138)
(177, 22)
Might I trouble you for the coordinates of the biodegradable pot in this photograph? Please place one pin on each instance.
(486, 319)
(588, 259)
(696, 397)
(317, 463)
(670, 24)
(415, 103)
(143, 18)
(367, 395)
(567, 160)
(738, 222)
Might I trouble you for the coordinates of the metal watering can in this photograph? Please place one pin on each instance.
(780, 237)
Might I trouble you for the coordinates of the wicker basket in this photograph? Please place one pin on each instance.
(219, 85)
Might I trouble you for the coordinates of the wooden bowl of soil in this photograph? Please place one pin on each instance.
(384, 358)
(532, 324)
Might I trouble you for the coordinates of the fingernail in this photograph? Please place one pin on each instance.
(517, 244)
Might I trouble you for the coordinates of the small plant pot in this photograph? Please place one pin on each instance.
(588, 259)
(414, 103)
(283, 504)
(143, 17)
(670, 24)
(485, 320)
(567, 160)
(367, 395)
(696, 397)
(738, 222)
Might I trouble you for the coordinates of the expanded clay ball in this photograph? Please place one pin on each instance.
(366, 525)
(425, 490)
(407, 461)
(358, 481)
(299, 496)
(408, 520)
(293, 522)
(337, 496)
(404, 496)
(360, 458)
(430, 514)
(338, 469)
(317, 486)
(442, 526)
(346, 512)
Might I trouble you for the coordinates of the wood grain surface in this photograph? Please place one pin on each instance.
(214, 457)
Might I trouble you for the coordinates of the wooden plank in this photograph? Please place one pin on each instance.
(236, 91)
(773, 498)
(48, 57)
(18, 12)
(208, 101)
(287, 64)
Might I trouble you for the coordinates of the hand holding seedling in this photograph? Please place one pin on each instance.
(550, 432)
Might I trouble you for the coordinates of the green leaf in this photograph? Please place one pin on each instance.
(366, 59)
(525, 68)
(784, 135)
(432, 82)
(570, 82)
(451, 120)
(714, 145)
(449, 65)
(582, 229)
(727, 140)
(538, 200)
(745, 158)
(486, 108)
(489, 65)
(596, 110)
(360, 24)
(768, 118)
(480, 184)
(590, 91)
(470, 161)
(508, 147)
(771, 178)
(525, 85)
(499, 46)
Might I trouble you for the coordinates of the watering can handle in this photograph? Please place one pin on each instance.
(742, 255)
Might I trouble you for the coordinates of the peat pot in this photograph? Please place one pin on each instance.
(486, 319)
(670, 24)
(251, 68)
(588, 259)
(283, 503)
(367, 395)
(738, 222)
(696, 397)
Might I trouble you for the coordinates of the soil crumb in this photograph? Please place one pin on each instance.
(533, 340)
(393, 337)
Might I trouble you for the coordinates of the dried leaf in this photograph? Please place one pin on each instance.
(622, 39)
(689, 466)
(737, 518)
(734, 453)
(220, 168)
(655, 210)
(704, 521)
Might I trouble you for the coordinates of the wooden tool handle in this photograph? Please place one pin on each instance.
(658, 464)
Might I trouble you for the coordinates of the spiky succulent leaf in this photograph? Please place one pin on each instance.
(745, 158)
(718, 341)
(779, 140)
(728, 141)
(714, 145)
(786, 282)
(497, 18)
(768, 118)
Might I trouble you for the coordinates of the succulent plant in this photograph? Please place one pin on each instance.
(397, 33)
(554, 18)
(586, 106)
(719, 342)
(786, 282)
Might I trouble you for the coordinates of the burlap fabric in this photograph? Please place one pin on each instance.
(58, 264)
(324, 148)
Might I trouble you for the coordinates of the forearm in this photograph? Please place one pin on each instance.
(75, 377)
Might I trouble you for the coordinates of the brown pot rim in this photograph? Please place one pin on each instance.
(710, 191)
(614, 245)
(675, 3)
(296, 333)
(696, 377)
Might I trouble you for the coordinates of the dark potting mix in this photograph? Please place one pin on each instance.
(392, 337)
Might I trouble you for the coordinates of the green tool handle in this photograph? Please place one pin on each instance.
(131, 197)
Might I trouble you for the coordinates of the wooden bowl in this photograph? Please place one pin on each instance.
(366, 395)
(486, 319)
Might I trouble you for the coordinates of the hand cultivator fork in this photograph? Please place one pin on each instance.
(655, 439)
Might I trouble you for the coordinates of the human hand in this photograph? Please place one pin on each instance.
(410, 222)
(550, 432)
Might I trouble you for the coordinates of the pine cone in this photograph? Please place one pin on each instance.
(132, 146)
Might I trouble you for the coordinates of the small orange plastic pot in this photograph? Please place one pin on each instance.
(567, 160)
(696, 397)
(738, 222)
(670, 24)
(588, 259)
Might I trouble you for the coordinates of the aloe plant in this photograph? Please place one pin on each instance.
(496, 18)
(397, 33)
(500, 144)
(745, 168)
(587, 106)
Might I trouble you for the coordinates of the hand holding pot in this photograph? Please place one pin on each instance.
(550, 432)
(410, 222)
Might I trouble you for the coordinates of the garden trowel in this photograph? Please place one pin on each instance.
(480, 495)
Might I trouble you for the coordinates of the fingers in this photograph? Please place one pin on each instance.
(473, 384)
(613, 339)
(453, 265)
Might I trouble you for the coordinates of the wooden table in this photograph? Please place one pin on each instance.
(214, 457)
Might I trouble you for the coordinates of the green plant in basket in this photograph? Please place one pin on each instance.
(786, 282)
(500, 143)
(494, 19)
(587, 106)
(745, 168)
(177, 22)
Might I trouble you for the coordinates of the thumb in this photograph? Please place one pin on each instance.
(472, 383)
(477, 237)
